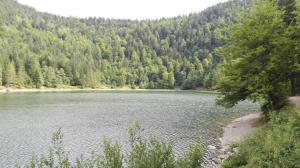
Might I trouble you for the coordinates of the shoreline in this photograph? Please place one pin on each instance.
(234, 132)
(75, 89)
(240, 128)
(42, 90)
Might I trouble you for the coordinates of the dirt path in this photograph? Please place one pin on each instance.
(234, 132)
(294, 101)
(240, 128)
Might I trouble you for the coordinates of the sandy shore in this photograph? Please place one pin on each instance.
(233, 133)
(12, 90)
(239, 128)
(76, 89)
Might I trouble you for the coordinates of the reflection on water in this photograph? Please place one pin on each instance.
(27, 120)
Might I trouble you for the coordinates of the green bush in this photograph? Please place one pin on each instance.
(144, 153)
(193, 159)
(275, 146)
(150, 153)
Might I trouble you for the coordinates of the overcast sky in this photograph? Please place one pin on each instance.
(121, 9)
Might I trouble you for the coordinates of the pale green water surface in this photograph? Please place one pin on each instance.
(27, 120)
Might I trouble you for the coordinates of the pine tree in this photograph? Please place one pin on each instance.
(9, 75)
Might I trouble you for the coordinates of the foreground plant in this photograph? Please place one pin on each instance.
(144, 153)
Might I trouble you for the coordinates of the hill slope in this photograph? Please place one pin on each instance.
(39, 49)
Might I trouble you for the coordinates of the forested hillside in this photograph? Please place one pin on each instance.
(43, 50)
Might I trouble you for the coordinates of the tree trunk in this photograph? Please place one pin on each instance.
(293, 86)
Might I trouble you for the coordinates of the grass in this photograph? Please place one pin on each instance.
(144, 153)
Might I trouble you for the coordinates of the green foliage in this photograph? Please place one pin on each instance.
(260, 60)
(112, 155)
(34, 71)
(277, 145)
(8, 74)
(150, 153)
(53, 51)
(193, 159)
(144, 153)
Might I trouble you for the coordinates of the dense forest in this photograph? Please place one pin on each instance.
(44, 50)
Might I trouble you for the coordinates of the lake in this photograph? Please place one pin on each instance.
(28, 120)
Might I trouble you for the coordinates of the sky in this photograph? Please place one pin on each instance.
(120, 9)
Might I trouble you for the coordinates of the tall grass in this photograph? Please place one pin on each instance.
(144, 153)
(275, 146)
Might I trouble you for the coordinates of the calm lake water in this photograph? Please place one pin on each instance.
(27, 120)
